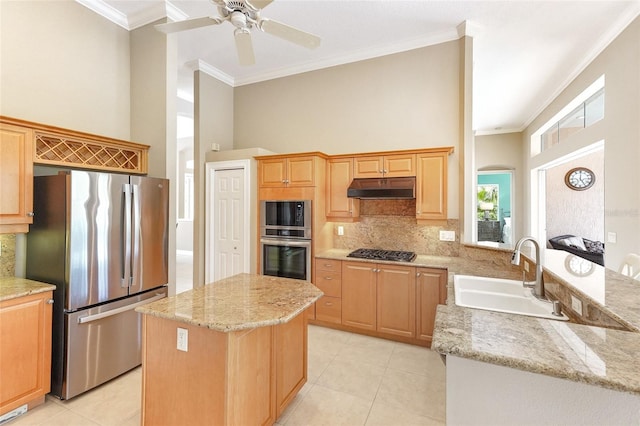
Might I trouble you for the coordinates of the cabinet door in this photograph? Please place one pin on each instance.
(25, 350)
(300, 171)
(16, 178)
(291, 361)
(359, 295)
(272, 173)
(339, 177)
(400, 165)
(431, 186)
(368, 167)
(431, 291)
(396, 305)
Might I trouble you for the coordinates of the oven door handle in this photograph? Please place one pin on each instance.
(289, 243)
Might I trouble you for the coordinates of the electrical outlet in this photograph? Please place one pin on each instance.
(526, 266)
(576, 304)
(447, 235)
(340, 230)
(183, 339)
(612, 237)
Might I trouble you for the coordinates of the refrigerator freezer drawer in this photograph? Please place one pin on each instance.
(102, 343)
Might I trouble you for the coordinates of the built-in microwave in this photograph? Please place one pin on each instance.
(285, 218)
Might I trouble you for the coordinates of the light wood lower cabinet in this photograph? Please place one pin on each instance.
(291, 361)
(25, 350)
(396, 305)
(431, 290)
(393, 301)
(328, 278)
(359, 295)
(245, 377)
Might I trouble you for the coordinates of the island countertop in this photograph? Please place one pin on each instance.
(239, 302)
(13, 287)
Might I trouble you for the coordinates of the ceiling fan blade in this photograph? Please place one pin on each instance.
(288, 33)
(244, 47)
(259, 4)
(188, 24)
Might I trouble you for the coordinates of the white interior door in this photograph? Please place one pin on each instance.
(228, 223)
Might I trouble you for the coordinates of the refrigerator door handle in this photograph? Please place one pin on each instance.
(95, 317)
(126, 236)
(136, 236)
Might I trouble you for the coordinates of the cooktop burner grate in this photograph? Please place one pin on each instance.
(377, 254)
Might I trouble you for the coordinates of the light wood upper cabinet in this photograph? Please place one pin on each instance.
(25, 350)
(16, 178)
(287, 172)
(431, 186)
(396, 305)
(359, 295)
(339, 177)
(398, 165)
(431, 290)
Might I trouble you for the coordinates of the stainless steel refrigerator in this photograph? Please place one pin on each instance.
(101, 238)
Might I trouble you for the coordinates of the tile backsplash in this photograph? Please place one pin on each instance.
(397, 232)
(7, 255)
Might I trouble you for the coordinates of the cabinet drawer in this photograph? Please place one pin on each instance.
(329, 309)
(329, 265)
(329, 282)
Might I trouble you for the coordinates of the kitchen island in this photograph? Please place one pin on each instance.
(228, 353)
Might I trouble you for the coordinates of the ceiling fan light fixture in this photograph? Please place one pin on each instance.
(239, 20)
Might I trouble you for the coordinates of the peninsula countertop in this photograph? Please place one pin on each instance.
(239, 302)
(581, 353)
(13, 287)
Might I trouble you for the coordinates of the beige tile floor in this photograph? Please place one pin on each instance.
(352, 380)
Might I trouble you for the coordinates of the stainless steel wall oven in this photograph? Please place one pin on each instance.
(285, 238)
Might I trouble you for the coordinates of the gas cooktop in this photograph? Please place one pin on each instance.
(377, 254)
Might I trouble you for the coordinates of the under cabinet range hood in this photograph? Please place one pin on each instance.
(383, 188)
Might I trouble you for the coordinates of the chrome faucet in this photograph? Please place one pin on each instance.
(538, 285)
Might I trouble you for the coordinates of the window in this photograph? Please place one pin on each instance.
(586, 114)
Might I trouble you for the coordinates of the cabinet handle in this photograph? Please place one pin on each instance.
(328, 304)
(385, 171)
(31, 214)
(417, 274)
(327, 265)
(328, 278)
(50, 302)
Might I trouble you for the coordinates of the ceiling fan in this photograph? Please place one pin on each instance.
(245, 15)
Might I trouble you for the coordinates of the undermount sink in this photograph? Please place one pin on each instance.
(500, 295)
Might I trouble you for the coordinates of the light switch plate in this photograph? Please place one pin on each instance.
(447, 235)
(576, 304)
(612, 237)
(340, 230)
(183, 339)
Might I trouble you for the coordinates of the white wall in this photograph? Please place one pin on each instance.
(213, 122)
(579, 213)
(64, 65)
(479, 393)
(401, 101)
(620, 129)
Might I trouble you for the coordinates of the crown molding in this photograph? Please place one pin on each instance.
(106, 11)
(151, 13)
(200, 65)
(363, 54)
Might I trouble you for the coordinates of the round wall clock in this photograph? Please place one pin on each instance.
(579, 178)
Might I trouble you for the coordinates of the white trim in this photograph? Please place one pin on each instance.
(200, 65)
(211, 168)
(106, 11)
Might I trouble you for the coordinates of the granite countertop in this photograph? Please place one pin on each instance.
(455, 265)
(13, 287)
(239, 302)
(581, 353)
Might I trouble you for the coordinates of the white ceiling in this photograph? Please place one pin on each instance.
(525, 52)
